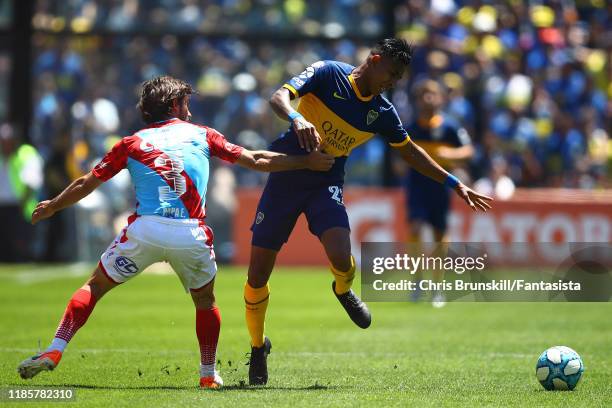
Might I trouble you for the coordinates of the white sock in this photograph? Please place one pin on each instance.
(57, 344)
(207, 370)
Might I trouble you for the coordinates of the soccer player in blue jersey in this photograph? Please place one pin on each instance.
(169, 163)
(450, 145)
(341, 107)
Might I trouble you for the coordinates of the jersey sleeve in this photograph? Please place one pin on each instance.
(221, 148)
(392, 130)
(308, 80)
(113, 162)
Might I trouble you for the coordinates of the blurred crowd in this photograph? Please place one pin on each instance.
(530, 81)
(331, 19)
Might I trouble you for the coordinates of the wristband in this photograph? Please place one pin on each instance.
(293, 115)
(451, 181)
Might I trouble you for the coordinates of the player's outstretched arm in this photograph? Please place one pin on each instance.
(418, 159)
(264, 160)
(77, 190)
(307, 134)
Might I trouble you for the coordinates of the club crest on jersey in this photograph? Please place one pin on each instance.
(125, 265)
(259, 218)
(372, 116)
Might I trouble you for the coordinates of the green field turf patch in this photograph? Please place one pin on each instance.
(139, 347)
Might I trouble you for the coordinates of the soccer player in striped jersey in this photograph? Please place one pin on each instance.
(341, 107)
(168, 162)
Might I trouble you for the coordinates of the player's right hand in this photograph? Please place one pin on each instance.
(318, 161)
(43, 210)
(307, 134)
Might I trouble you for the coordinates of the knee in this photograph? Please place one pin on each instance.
(260, 266)
(340, 258)
(97, 290)
(205, 303)
(203, 298)
(338, 250)
(259, 274)
(99, 285)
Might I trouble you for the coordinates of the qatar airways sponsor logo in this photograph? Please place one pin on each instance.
(336, 137)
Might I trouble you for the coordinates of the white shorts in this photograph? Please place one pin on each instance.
(187, 244)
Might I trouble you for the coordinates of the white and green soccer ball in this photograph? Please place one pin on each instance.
(559, 368)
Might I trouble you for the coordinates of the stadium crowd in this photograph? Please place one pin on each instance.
(529, 81)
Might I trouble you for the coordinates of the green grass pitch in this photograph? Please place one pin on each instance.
(139, 347)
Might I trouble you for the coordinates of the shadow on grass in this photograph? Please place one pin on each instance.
(226, 388)
(314, 387)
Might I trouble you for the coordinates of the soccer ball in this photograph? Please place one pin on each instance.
(559, 368)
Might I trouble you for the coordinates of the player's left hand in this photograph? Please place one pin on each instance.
(307, 135)
(43, 210)
(475, 200)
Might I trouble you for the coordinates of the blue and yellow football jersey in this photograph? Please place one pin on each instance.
(428, 200)
(344, 118)
(441, 131)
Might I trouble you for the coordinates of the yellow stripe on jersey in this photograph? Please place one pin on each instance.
(402, 143)
(339, 137)
(292, 90)
(356, 89)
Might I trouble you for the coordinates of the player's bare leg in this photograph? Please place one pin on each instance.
(77, 312)
(256, 297)
(208, 326)
(337, 244)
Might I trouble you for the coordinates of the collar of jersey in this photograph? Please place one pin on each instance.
(356, 89)
(163, 123)
(167, 121)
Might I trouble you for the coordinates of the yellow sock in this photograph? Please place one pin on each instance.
(344, 280)
(256, 302)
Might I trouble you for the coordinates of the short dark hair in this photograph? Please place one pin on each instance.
(397, 49)
(157, 94)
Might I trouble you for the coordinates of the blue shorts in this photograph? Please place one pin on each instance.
(429, 202)
(280, 206)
